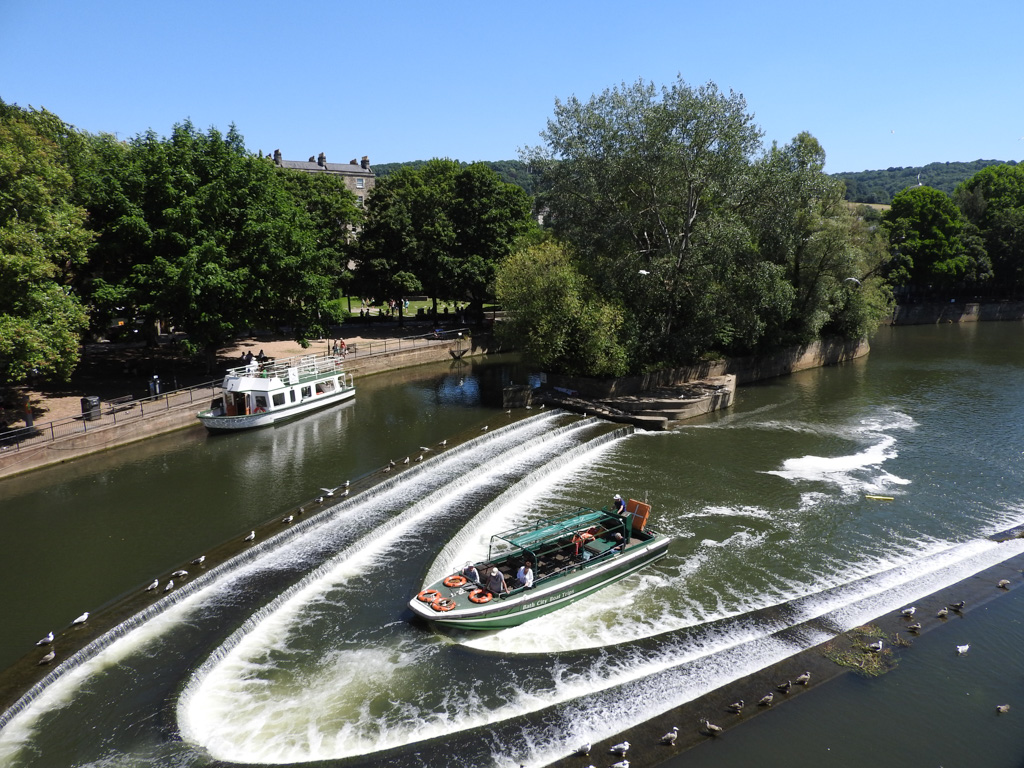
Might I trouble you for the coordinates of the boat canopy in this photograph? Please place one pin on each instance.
(550, 530)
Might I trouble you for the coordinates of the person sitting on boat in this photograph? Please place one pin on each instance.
(580, 540)
(618, 505)
(471, 573)
(525, 574)
(620, 543)
(496, 582)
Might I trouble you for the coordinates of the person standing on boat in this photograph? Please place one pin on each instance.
(471, 573)
(496, 582)
(618, 505)
(525, 574)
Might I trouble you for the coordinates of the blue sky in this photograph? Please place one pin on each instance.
(879, 85)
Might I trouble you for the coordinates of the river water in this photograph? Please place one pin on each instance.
(304, 651)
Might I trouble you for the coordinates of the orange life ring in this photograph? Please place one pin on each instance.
(428, 596)
(480, 596)
(443, 604)
(455, 580)
(259, 409)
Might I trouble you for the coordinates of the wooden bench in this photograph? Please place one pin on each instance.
(118, 404)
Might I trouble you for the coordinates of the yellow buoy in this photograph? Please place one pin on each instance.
(879, 498)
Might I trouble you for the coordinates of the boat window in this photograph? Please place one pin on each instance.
(307, 392)
(279, 398)
(292, 393)
(261, 401)
(324, 386)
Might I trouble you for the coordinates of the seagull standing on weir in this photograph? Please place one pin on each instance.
(81, 619)
(46, 640)
(670, 737)
(620, 749)
(251, 536)
(712, 729)
(153, 585)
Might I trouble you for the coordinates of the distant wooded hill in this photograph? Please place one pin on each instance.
(861, 187)
(881, 186)
(510, 171)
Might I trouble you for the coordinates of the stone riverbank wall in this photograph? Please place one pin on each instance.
(932, 313)
(745, 369)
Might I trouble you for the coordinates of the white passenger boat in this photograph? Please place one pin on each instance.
(259, 394)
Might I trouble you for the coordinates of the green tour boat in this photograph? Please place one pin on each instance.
(569, 558)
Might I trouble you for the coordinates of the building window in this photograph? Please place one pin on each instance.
(359, 183)
(359, 200)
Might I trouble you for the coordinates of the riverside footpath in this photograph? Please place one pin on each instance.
(139, 392)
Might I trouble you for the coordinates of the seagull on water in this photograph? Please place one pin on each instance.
(199, 560)
(958, 606)
(670, 737)
(766, 700)
(736, 706)
(915, 627)
(1003, 584)
(620, 749)
(803, 679)
(711, 728)
(46, 640)
(81, 619)
(908, 612)
(47, 658)
(943, 612)
(251, 536)
(1002, 709)
(153, 585)
(179, 573)
(169, 586)
(962, 649)
(875, 647)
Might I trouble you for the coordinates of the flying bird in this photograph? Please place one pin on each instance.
(643, 272)
(81, 619)
(711, 728)
(620, 749)
(803, 679)
(852, 280)
(962, 649)
(47, 658)
(329, 491)
(46, 640)
(153, 585)
(736, 706)
(670, 737)
(251, 536)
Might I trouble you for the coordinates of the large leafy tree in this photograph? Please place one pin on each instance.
(556, 317)
(43, 244)
(642, 181)
(217, 242)
(441, 228)
(925, 230)
(993, 201)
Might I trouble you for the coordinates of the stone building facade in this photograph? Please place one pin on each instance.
(358, 176)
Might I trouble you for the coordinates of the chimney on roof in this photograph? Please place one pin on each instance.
(353, 162)
(365, 164)
(322, 160)
(277, 157)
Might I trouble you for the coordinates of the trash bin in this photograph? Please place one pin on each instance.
(91, 407)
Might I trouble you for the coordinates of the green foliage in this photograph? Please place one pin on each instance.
(993, 202)
(442, 229)
(43, 243)
(555, 316)
(882, 186)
